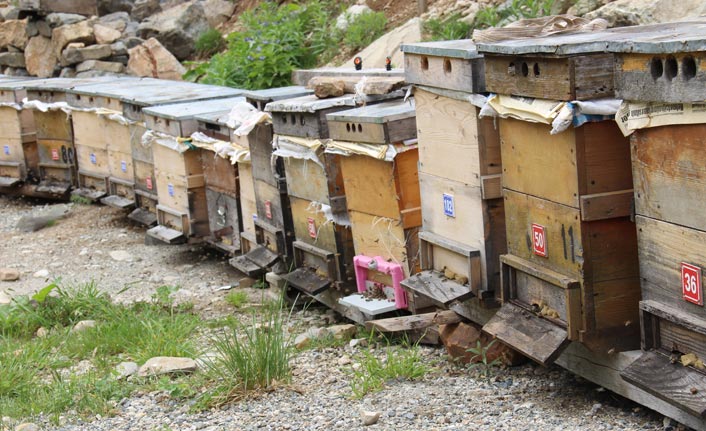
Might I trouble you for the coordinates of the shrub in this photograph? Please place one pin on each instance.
(364, 29)
(209, 42)
(451, 28)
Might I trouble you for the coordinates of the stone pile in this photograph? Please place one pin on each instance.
(139, 37)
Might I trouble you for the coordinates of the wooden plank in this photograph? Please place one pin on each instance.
(270, 205)
(603, 158)
(602, 206)
(219, 173)
(248, 203)
(669, 168)
(435, 286)
(448, 132)
(663, 247)
(407, 180)
(308, 281)
(370, 186)
(413, 322)
(674, 383)
(443, 71)
(307, 180)
(533, 336)
(260, 143)
(302, 77)
(120, 165)
(167, 235)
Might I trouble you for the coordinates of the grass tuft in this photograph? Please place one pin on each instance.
(398, 364)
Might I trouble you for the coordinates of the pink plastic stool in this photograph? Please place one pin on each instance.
(364, 263)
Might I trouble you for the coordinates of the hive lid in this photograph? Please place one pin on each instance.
(379, 113)
(52, 84)
(182, 111)
(464, 48)
(279, 93)
(312, 103)
(150, 91)
(646, 38)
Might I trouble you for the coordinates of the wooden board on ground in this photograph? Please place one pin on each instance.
(533, 336)
(413, 322)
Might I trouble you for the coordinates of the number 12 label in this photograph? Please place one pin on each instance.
(539, 240)
(691, 283)
(449, 209)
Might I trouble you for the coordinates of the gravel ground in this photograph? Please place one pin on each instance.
(78, 249)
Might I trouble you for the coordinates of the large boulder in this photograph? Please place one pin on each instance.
(154, 60)
(217, 11)
(13, 32)
(176, 28)
(116, 20)
(40, 57)
(78, 32)
(58, 19)
(144, 8)
(638, 12)
(105, 34)
(73, 55)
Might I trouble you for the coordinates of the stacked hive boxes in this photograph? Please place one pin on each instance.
(16, 133)
(463, 229)
(571, 268)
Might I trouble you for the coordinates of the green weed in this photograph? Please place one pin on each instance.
(480, 361)
(237, 298)
(399, 363)
(451, 28)
(80, 200)
(494, 16)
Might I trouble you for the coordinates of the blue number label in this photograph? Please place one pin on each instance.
(170, 189)
(123, 166)
(449, 209)
(6, 150)
(93, 158)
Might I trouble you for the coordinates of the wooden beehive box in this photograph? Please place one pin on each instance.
(306, 116)
(379, 170)
(570, 66)
(462, 214)
(127, 98)
(668, 168)
(260, 98)
(182, 211)
(453, 65)
(223, 194)
(18, 155)
(58, 170)
(571, 243)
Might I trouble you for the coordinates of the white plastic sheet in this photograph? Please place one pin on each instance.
(226, 150)
(244, 117)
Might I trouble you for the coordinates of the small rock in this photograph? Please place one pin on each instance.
(42, 332)
(7, 274)
(5, 298)
(167, 365)
(13, 32)
(369, 418)
(344, 360)
(341, 332)
(12, 59)
(27, 426)
(126, 369)
(154, 60)
(594, 409)
(73, 55)
(302, 341)
(120, 255)
(42, 273)
(144, 8)
(40, 57)
(669, 424)
(100, 66)
(355, 342)
(78, 32)
(119, 48)
(527, 406)
(327, 87)
(83, 325)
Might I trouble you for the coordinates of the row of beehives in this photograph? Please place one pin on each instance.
(576, 238)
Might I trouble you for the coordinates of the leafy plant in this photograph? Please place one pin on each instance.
(451, 28)
(209, 42)
(480, 357)
(364, 29)
(250, 358)
(493, 16)
(274, 41)
(80, 200)
(405, 363)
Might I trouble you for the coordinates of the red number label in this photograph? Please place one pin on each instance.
(54, 154)
(148, 183)
(539, 240)
(312, 227)
(691, 283)
(268, 210)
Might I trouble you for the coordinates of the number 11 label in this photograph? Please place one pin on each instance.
(539, 240)
(691, 283)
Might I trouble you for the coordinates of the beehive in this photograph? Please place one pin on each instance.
(323, 247)
(378, 158)
(115, 136)
(268, 213)
(18, 155)
(58, 169)
(668, 167)
(182, 209)
(463, 229)
(570, 272)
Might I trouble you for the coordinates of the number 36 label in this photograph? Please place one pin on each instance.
(691, 283)
(539, 240)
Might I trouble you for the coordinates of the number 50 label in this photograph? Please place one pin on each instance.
(539, 240)
(691, 283)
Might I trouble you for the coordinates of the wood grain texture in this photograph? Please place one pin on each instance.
(439, 289)
(378, 236)
(307, 180)
(635, 81)
(536, 338)
(266, 195)
(417, 321)
(370, 186)
(260, 143)
(223, 218)
(669, 167)
(608, 205)
(461, 74)
(248, 205)
(302, 211)
(448, 133)
(220, 173)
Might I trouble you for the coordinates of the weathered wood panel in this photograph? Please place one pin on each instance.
(379, 236)
(370, 186)
(270, 207)
(307, 179)
(248, 206)
(220, 173)
(260, 143)
(445, 72)
(306, 215)
(546, 77)
(677, 77)
(669, 167)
